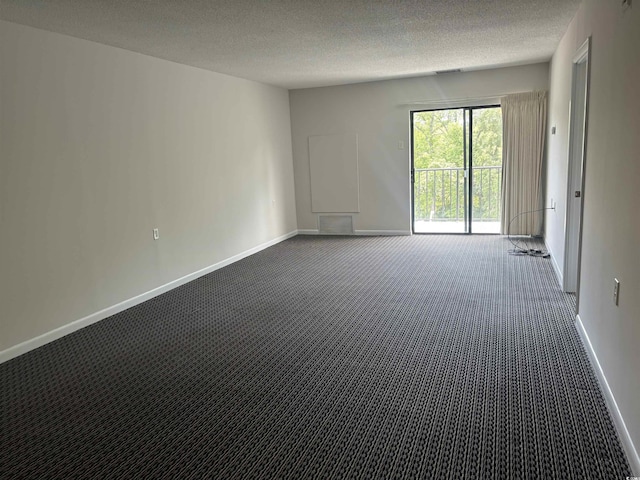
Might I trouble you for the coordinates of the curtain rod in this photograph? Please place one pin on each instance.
(446, 101)
(453, 100)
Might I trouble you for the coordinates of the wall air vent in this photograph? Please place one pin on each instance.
(335, 224)
(453, 70)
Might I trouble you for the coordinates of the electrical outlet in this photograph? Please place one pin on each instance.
(400, 145)
(616, 291)
(156, 234)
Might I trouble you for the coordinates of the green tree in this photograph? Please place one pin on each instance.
(487, 152)
(438, 139)
(438, 144)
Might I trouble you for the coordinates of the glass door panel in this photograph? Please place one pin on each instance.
(439, 183)
(486, 174)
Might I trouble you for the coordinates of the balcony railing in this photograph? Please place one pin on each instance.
(439, 194)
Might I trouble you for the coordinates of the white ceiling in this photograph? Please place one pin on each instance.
(308, 43)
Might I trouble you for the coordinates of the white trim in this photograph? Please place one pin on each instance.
(59, 332)
(554, 263)
(623, 433)
(459, 102)
(556, 268)
(454, 102)
(573, 215)
(382, 232)
(311, 231)
(582, 52)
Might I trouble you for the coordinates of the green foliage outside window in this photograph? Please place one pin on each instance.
(439, 147)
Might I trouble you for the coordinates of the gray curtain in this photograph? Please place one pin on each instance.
(524, 118)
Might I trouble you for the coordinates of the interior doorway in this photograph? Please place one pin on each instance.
(456, 170)
(576, 172)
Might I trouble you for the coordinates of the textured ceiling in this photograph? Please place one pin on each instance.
(307, 43)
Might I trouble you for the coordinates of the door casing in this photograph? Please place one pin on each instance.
(578, 123)
(467, 162)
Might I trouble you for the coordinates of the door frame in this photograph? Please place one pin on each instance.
(574, 211)
(467, 162)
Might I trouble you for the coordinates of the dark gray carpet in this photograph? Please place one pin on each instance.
(404, 357)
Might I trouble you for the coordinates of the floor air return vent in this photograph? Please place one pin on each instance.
(335, 224)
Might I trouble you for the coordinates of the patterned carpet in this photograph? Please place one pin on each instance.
(337, 357)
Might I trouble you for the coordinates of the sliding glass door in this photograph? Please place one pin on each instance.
(457, 170)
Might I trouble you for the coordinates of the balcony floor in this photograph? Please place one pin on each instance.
(444, 226)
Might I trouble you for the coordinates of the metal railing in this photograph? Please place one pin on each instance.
(439, 194)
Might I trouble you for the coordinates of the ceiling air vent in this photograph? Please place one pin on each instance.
(453, 70)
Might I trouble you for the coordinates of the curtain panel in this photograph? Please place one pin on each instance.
(524, 118)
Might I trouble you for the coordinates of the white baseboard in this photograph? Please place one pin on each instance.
(623, 433)
(554, 263)
(59, 332)
(358, 232)
(382, 232)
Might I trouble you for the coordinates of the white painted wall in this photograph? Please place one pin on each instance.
(99, 146)
(557, 166)
(611, 230)
(379, 113)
